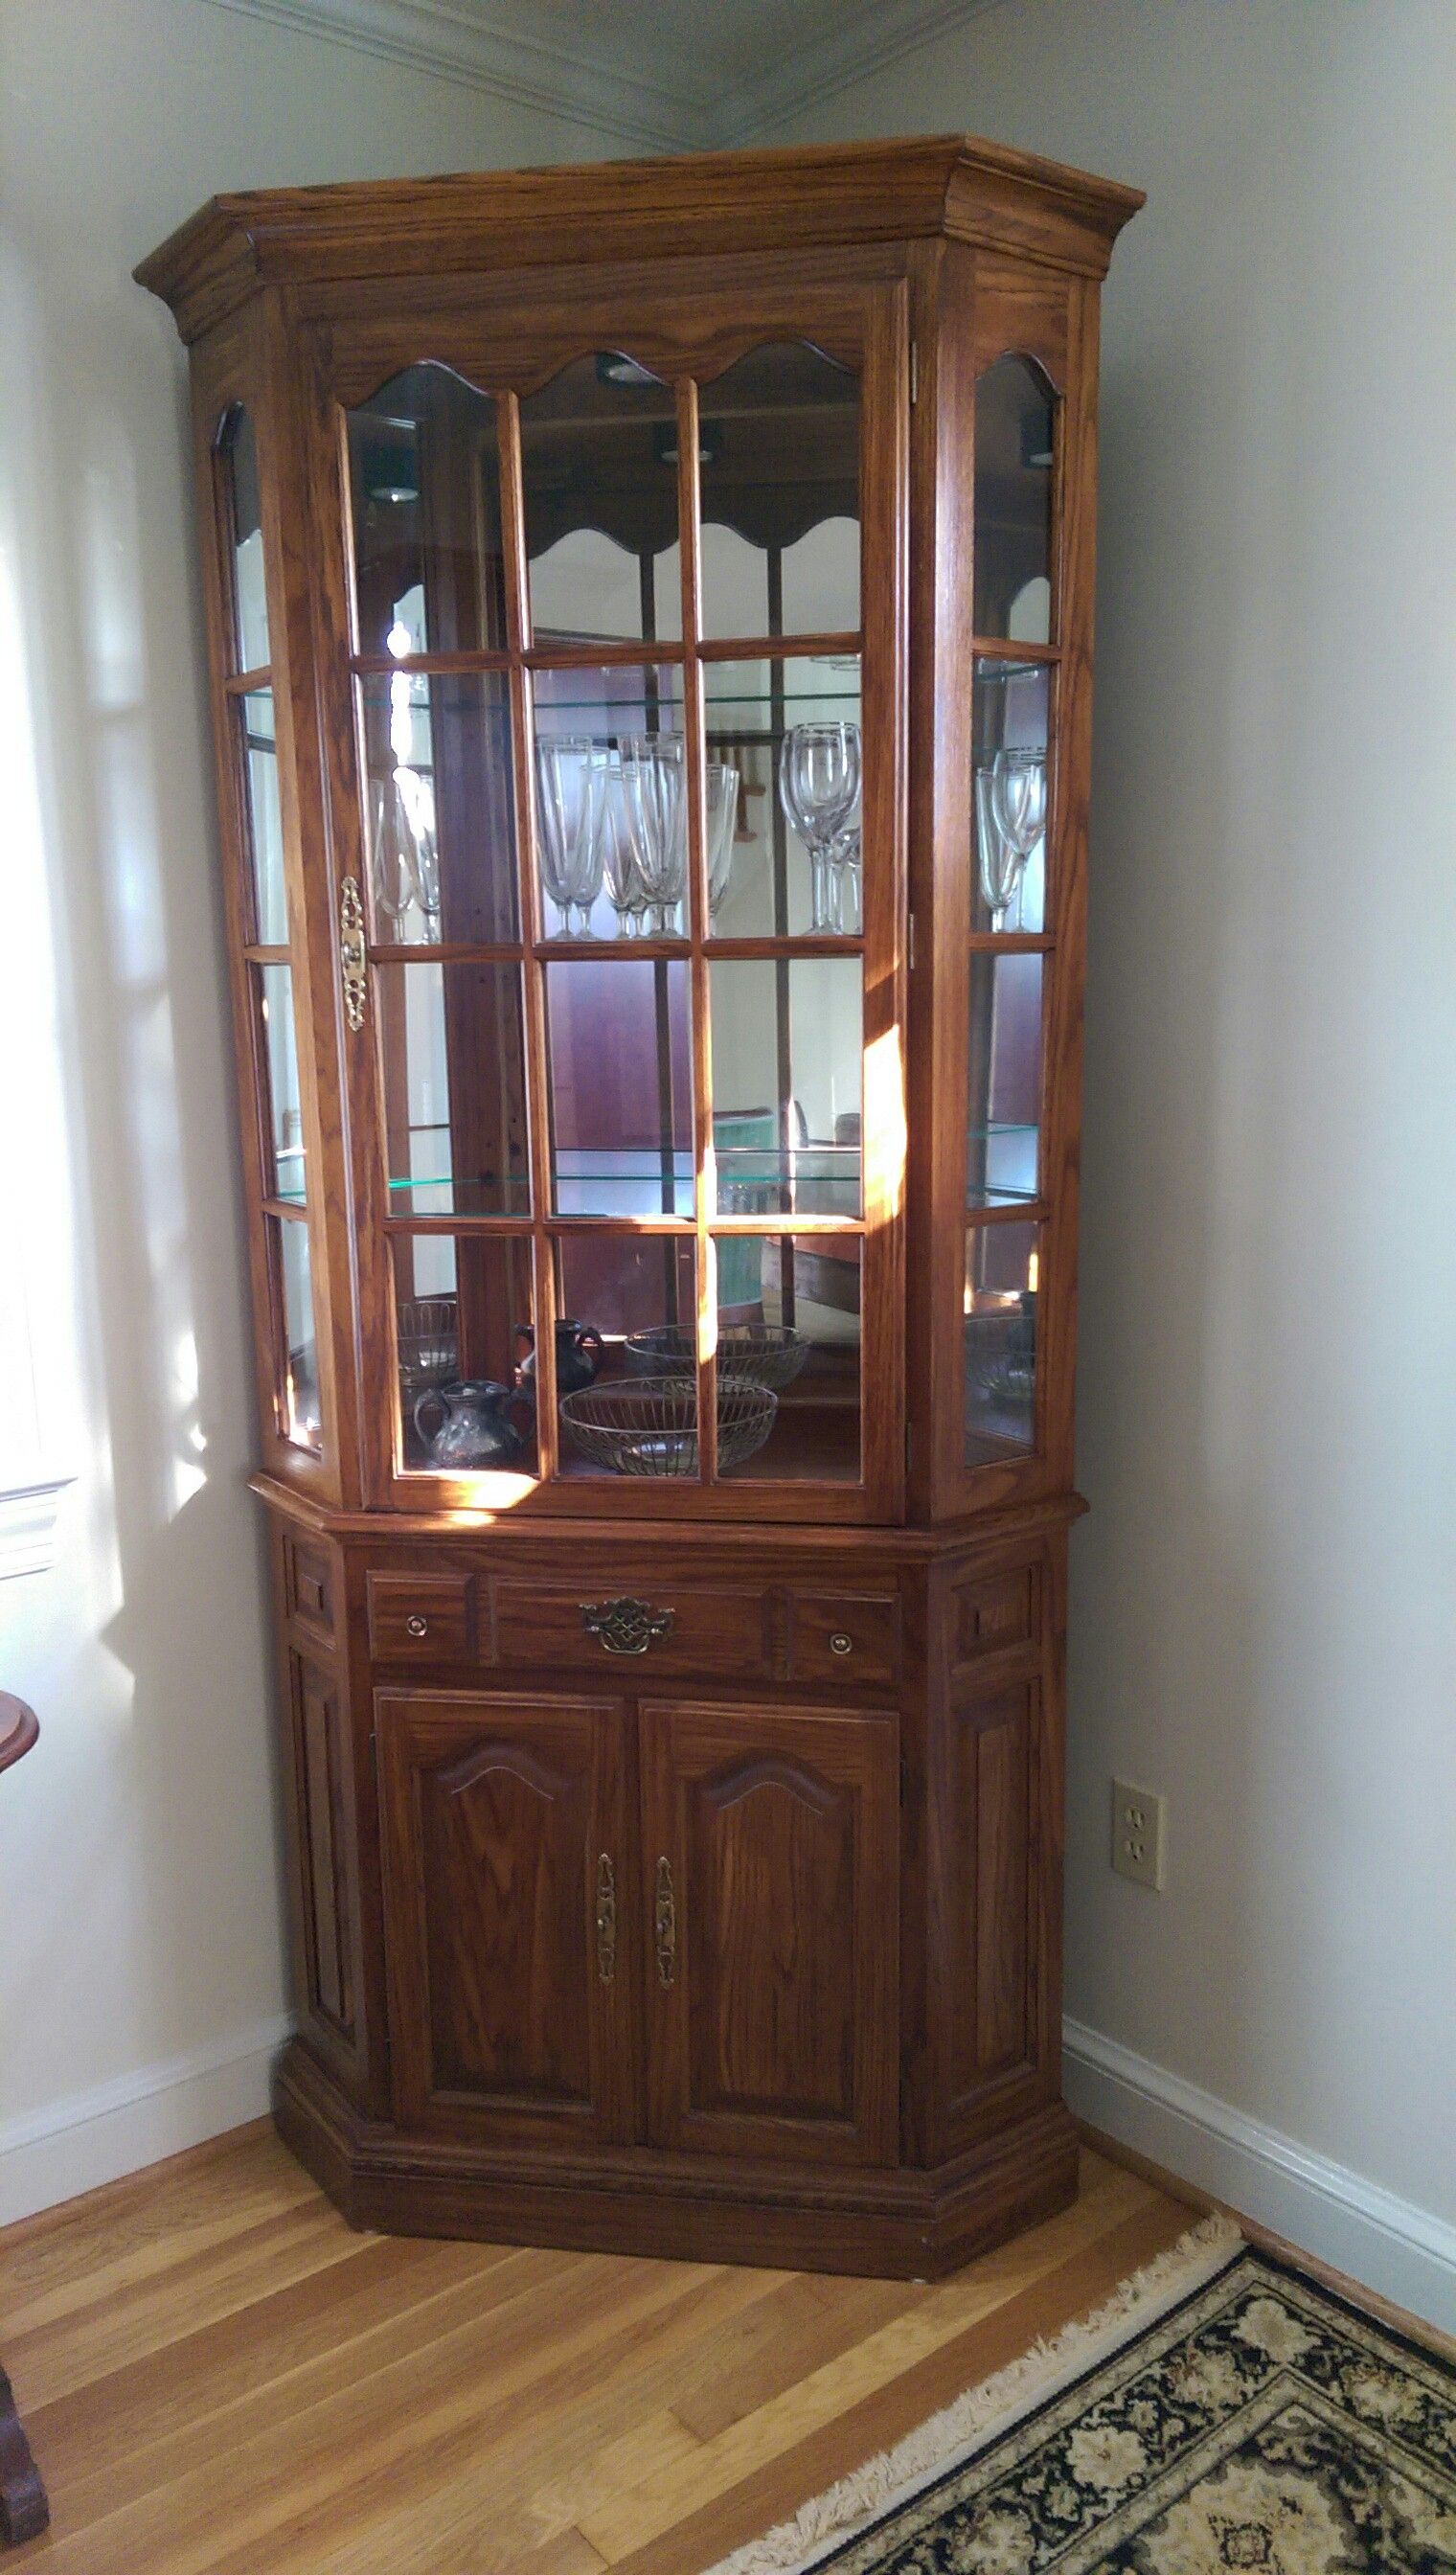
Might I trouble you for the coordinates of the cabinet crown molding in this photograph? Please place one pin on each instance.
(952, 186)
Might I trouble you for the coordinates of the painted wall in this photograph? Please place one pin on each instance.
(141, 1985)
(1265, 1594)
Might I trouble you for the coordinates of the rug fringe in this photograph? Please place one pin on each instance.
(952, 2436)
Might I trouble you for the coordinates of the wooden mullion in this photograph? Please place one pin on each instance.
(667, 1229)
(454, 951)
(1000, 648)
(603, 655)
(257, 955)
(375, 666)
(537, 1105)
(777, 647)
(780, 1223)
(292, 1210)
(1009, 943)
(1022, 1212)
(704, 1178)
(244, 684)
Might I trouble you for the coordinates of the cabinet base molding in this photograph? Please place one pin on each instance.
(894, 2225)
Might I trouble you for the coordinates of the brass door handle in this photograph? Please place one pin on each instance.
(626, 1627)
(353, 956)
(606, 1919)
(667, 1924)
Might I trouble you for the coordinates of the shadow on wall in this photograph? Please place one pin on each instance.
(146, 1883)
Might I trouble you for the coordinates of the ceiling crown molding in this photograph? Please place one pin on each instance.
(490, 45)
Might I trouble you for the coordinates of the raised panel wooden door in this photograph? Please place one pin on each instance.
(511, 1959)
(770, 1865)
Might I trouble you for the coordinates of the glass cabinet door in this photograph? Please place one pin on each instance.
(616, 788)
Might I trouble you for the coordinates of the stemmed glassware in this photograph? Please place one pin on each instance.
(1010, 818)
(655, 817)
(404, 856)
(818, 788)
(720, 784)
(571, 775)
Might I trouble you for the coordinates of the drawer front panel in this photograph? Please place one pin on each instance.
(671, 1629)
(422, 1617)
(308, 1587)
(844, 1637)
(997, 1611)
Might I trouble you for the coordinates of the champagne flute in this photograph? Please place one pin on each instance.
(1014, 804)
(818, 786)
(721, 794)
(570, 776)
(654, 811)
(390, 874)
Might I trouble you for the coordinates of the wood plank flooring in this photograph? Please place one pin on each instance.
(219, 2378)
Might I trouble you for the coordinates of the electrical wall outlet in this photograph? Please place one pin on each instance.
(1139, 1834)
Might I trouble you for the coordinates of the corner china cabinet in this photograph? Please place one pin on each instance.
(650, 620)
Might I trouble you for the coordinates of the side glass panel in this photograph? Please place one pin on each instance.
(610, 802)
(424, 487)
(788, 1329)
(273, 985)
(1005, 1077)
(1016, 413)
(779, 442)
(619, 1050)
(624, 1354)
(255, 714)
(462, 1325)
(454, 1061)
(439, 823)
(788, 1038)
(237, 448)
(1011, 789)
(784, 736)
(599, 454)
(1001, 1278)
(298, 1358)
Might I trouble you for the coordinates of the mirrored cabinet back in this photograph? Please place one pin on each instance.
(650, 618)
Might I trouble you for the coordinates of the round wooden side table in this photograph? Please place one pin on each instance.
(24, 2511)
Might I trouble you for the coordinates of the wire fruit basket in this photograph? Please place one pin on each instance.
(429, 1345)
(647, 1426)
(759, 1354)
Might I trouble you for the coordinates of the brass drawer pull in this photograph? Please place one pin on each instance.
(626, 1627)
(839, 1643)
(606, 1919)
(415, 1625)
(667, 1924)
(353, 956)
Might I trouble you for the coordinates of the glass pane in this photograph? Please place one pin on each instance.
(1016, 412)
(250, 599)
(299, 1357)
(787, 1055)
(1009, 779)
(779, 465)
(1005, 1077)
(599, 454)
(439, 816)
(789, 862)
(625, 1356)
(463, 1323)
(1002, 1263)
(425, 480)
(610, 802)
(789, 1320)
(265, 819)
(454, 1059)
(619, 1052)
(283, 1112)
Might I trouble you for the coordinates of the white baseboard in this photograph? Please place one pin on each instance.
(96, 2137)
(1386, 2243)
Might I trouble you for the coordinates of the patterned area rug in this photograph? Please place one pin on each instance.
(1257, 2421)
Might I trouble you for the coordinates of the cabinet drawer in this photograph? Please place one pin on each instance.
(308, 1587)
(996, 1610)
(420, 1617)
(711, 1630)
(843, 1636)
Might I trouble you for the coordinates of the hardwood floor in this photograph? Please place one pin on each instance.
(219, 2378)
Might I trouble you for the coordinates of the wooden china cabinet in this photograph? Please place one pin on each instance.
(650, 611)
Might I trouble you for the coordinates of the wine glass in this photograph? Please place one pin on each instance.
(844, 895)
(623, 884)
(720, 798)
(569, 779)
(1010, 802)
(655, 816)
(417, 794)
(819, 785)
(391, 875)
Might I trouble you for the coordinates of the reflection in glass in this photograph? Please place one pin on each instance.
(788, 1038)
(622, 729)
(265, 819)
(238, 448)
(1005, 1077)
(1002, 1262)
(620, 1057)
(809, 1286)
(1011, 709)
(751, 707)
(779, 473)
(438, 818)
(621, 1286)
(284, 1128)
(599, 453)
(453, 1060)
(425, 484)
(298, 1361)
(463, 1316)
(1016, 413)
